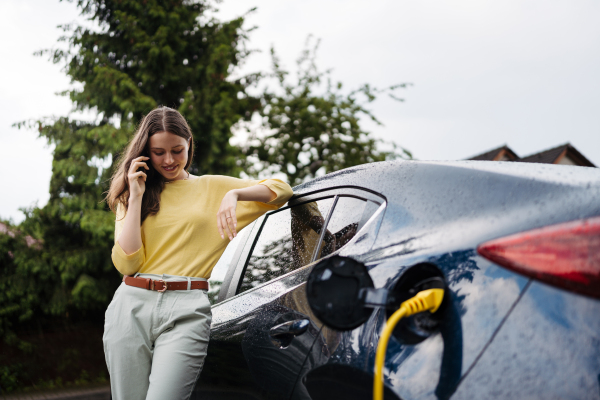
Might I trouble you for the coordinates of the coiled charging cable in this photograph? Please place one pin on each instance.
(426, 300)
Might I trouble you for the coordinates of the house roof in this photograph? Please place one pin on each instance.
(550, 156)
(554, 155)
(496, 154)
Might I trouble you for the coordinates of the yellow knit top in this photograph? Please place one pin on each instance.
(182, 238)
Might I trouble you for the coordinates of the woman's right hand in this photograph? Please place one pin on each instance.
(137, 179)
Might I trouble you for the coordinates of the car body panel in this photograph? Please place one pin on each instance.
(242, 361)
(549, 347)
(417, 225)
(481, 293)
(434, 212)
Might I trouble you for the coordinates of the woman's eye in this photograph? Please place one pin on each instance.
(178, 152)
(158, 154)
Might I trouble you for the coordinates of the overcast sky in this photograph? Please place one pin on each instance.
(484, 73)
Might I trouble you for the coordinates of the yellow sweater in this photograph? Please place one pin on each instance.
(182, 238)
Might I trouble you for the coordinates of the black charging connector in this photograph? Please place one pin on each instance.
(376, 298)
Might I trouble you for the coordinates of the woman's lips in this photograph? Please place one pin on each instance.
(170, 169)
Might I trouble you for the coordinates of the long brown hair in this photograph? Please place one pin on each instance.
(161, 119)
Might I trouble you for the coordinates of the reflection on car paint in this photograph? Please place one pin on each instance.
(549, 338)
(437, 213)
(433, 368)
(240, 345)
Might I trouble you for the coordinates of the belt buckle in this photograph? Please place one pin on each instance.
(164, 289)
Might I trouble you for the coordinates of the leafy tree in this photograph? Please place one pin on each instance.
(307, 132)
(139, 55)
(142, 54)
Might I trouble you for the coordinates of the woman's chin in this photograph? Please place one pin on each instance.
(170, 175)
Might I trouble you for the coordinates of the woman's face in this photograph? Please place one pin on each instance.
(169, 155)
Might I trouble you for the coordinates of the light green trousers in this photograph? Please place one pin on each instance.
(155, 343)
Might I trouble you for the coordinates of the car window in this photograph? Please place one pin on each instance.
(286, 242)
(220, 270)
(349, 216)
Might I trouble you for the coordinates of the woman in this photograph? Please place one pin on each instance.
(171, 229)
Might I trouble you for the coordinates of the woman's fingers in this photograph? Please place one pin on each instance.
(225, 226)
(226, 218)
(136, 165)
(137, 183)
(139, 164)
(140, 159)
(137, 175)
(234, 220)
(220, 226)
(232, 223)
(227, 223)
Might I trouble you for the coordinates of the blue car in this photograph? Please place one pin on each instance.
(515, 245)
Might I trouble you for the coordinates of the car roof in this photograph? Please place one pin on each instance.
(384, 177)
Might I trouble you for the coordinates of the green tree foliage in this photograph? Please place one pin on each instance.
(18, 288)
(307, 132)
(149, 53)
(56, 265)
(139, 55)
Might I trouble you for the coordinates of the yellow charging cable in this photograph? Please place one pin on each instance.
(426, 300)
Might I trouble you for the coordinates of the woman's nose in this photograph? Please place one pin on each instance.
(169, 158)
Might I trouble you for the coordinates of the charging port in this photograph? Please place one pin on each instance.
(420, 326)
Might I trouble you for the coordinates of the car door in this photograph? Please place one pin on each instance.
(263, 329)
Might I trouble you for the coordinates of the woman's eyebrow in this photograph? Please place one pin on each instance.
(160, 148)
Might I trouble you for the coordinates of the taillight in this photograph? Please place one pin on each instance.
(566, 255)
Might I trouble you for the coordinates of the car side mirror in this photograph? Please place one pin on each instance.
(338, 291)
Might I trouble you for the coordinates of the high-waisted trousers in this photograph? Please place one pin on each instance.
(155, 343)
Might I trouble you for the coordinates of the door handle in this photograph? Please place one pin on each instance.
(290, 328)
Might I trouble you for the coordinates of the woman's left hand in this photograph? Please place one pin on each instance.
(226, 218)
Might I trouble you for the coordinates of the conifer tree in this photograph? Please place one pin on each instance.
(140, 55)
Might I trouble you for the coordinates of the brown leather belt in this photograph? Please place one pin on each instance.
(160, 285)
